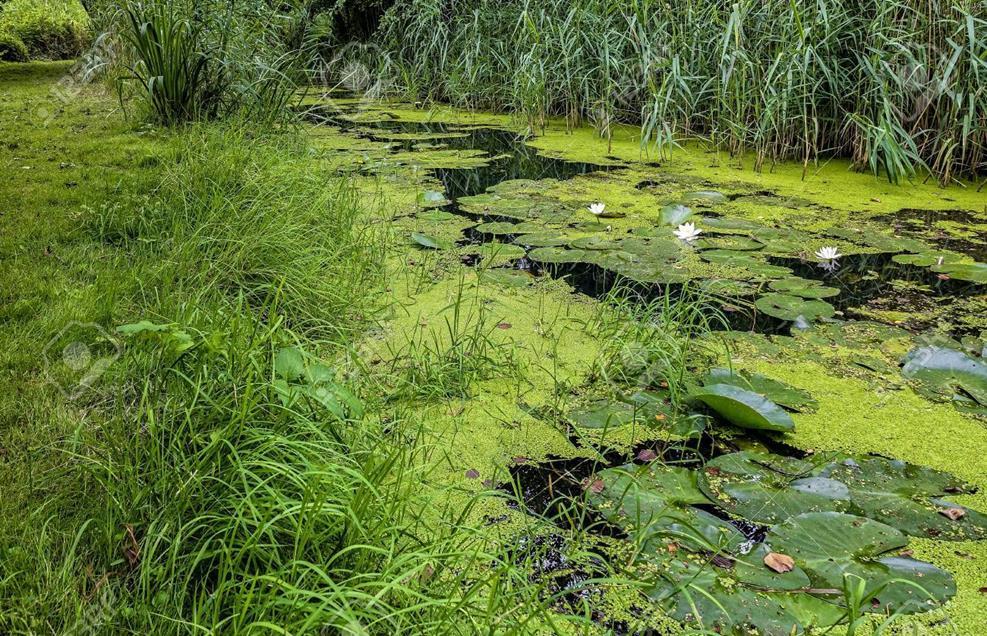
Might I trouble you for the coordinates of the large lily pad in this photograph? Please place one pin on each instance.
(770, 488)
(778, 392)
(654, 505)
(946, 371)
(604, 414)
(428, 241)
(802, 287)
(831, 546)
(788, 307)
(744, 408)
(730, 242)
(973, 272)
(559, 256)
(704, 595)
(675, 214)
(907, 497)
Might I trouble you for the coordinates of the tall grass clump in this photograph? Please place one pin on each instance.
(193, 61)
(48, 29)
(900, 86)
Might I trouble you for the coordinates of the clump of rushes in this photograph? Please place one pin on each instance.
(897, 85)
(205, 60)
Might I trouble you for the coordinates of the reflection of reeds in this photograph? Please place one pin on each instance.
(898, 85)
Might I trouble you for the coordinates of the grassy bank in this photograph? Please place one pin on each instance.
(181, 450)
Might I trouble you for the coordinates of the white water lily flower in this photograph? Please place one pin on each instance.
(597, 208)
(687, 231)
(828, 253)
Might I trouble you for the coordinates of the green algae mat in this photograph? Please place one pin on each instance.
(805, 449)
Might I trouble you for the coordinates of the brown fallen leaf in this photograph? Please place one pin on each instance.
(906, 553)
(779, 562)
(595, 486)
(953, 513)
(983, 590)
(472, 473)
(647, 455)
(503, 325)
(721, 561)
(672, 548)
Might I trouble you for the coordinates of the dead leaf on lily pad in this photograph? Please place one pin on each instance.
(953, 513)
(778, 562)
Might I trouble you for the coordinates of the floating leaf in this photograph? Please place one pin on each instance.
(603, 414)
(654, 503)
(803, 288)
(427, 241)
(906, 497)
(432, 198)
(788, 307)
(701, 595)
(946, 371)
(744, 408)
(830, 546)
(973, 272)
(593, 243)
(705, 195)
(507, 277)
(675, 214)
(730, 242)
(769, 488)
(778, 392)
(558, 256)
(435, 215)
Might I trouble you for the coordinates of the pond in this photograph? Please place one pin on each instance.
(834, 439)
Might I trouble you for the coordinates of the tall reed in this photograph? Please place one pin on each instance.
(900, 86)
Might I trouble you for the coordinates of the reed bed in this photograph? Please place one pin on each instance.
(899, 86)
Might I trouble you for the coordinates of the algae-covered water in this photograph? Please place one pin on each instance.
(750, 430)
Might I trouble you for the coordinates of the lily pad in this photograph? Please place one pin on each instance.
(803, 287)
(907, 497)
(432, 198)
(604, 414)
(507, 277)
(427, 241)
(778, 392)
(928, 259)
(654, 504)
(787, 307)
(768, 488)
(744, 408)
(541, 239)
(705, 596)
(830, 546)
(710, 196)
(558, 256)
(593, 243)
(675, 214)
(945, 370)
(972, 272)
(494, 254)
(732, 242)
